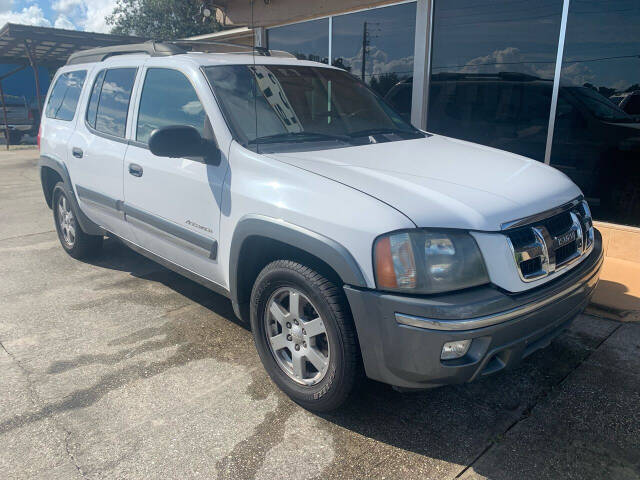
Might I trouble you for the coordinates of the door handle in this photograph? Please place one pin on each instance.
(135, 169)
(77, 152)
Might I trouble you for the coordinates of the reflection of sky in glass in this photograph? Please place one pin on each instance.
(503, 36)
(306, 40)
(390, 33)
(65, 94)
(168, 99)
(602, 45)
(114, 101)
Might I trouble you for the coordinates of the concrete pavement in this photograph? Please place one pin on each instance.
(122, 369)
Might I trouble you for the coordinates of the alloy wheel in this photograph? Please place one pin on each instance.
(297, 336)
(66, 221)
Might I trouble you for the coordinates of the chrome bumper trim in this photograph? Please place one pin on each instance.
(589, 279)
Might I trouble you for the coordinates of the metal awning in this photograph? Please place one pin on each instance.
(51, 46)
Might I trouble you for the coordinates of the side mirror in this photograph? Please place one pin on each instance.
(183, 141)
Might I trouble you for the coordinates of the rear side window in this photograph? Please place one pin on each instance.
(168, 98)
(109, 102)
(65, 94)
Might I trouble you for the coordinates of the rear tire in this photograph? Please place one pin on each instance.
(15, 137)
(73, 239)
(317, 366)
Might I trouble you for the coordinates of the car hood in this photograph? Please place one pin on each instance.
(443, 182)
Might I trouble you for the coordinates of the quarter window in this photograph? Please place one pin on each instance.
(168, 98)
(65, 94)
(109, 102)
(92, 109)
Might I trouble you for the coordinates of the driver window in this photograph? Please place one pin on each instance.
(168, 98)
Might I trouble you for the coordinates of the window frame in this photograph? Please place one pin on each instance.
(78, 102)
(97, 132)
(136, 111)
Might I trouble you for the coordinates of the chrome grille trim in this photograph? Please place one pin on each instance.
(538, 217)
(544, 245)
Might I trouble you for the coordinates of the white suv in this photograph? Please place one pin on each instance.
(352, 242)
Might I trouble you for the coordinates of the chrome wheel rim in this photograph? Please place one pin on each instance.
(297, 336)
(66, 221)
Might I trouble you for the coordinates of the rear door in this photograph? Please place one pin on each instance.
(173, 204)
(98, 146)
(60, 114)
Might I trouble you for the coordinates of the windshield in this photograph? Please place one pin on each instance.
(289, 104)
(600, 106)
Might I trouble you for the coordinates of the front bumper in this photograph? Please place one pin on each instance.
(401, 337)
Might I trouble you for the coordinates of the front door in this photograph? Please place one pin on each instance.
(173, 204)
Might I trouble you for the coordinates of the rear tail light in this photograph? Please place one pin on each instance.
(39, 134)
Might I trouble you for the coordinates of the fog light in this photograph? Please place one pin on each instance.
(457, 349)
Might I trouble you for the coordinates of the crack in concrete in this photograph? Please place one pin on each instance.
(527, 412)
(38, 403)
(26, 235)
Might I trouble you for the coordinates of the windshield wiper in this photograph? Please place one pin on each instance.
(299, 137)
(382, 131)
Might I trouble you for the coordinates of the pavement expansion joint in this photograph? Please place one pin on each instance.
(527, 412)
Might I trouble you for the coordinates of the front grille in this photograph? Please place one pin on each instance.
(565, 252)
(552, 243)
(531, 266)
(522, 237)
(558, 224)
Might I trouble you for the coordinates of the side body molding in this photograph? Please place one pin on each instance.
(49, 162)
(326, 249)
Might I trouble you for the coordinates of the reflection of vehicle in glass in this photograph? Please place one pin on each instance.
(352, 243)
(21, 118)
(595, 143)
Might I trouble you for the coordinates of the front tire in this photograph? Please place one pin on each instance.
(305, 335)
(73, 239)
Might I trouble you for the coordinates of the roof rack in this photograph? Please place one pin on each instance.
(154, 49)
(214, 46)
(162, 49)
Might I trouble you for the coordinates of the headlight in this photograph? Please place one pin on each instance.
(426, 261)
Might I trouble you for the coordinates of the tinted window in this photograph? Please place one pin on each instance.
(113, 102)
(306, 40)
(377, 46)
(65, 94)
(595, 141)
(168, 98)
(92, 108)
(492, 72)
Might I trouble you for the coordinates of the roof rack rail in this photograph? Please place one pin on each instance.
(211, 46)
(154, 49)
(173, 47)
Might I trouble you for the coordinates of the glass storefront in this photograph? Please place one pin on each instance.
(492, 72)
(492, 78)
(596, 139)
(376, 45)
(306, 40)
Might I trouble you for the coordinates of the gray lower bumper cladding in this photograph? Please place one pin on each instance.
(401, 337)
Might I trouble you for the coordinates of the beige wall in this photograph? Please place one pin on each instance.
(286, 11)
(618, 292)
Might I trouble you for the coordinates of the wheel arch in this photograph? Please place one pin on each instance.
(53, 171)
(258, 240)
